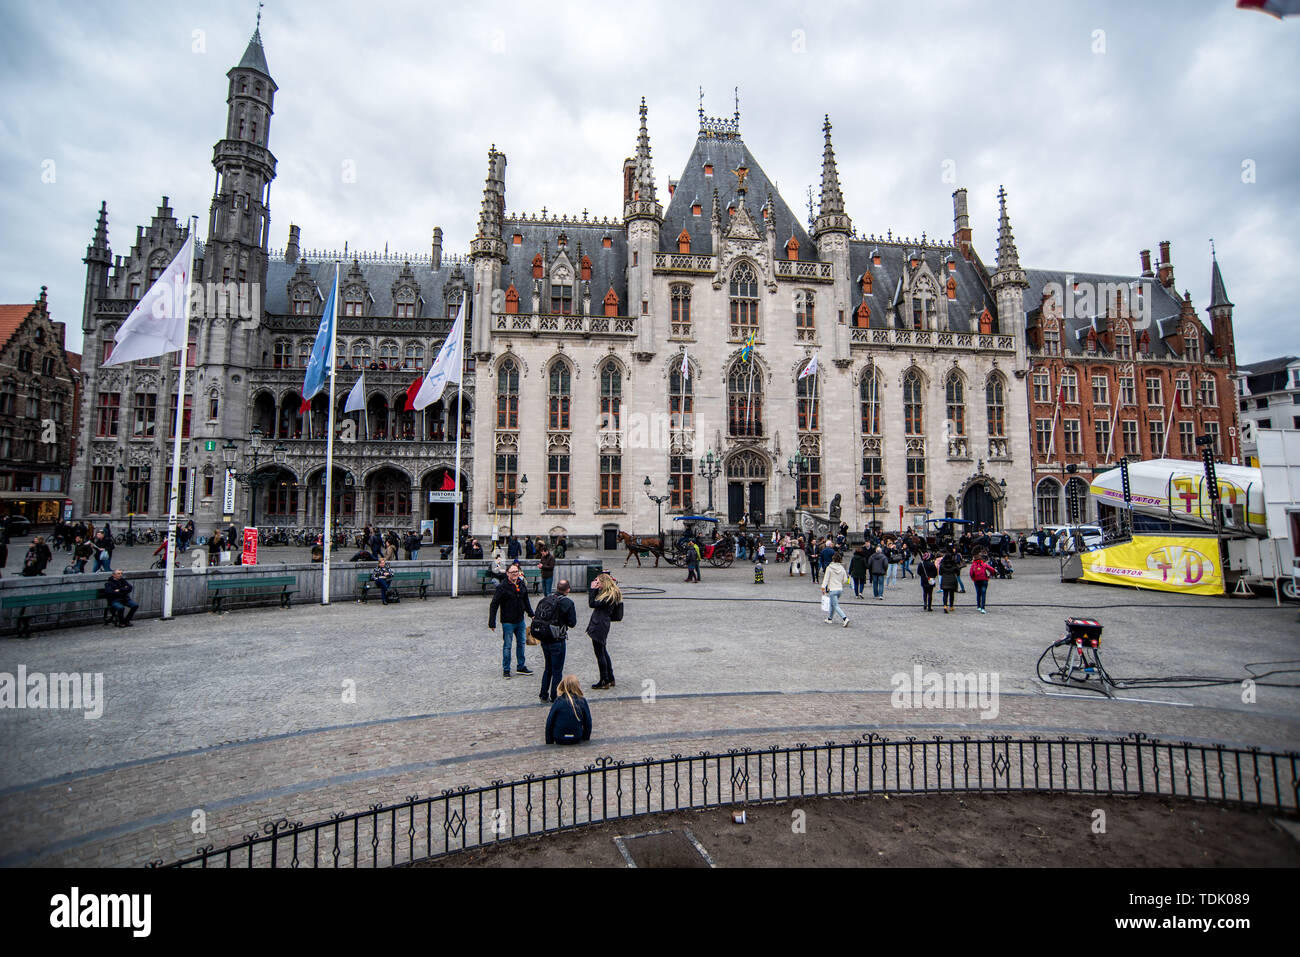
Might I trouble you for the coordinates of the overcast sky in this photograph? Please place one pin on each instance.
(1113, 126)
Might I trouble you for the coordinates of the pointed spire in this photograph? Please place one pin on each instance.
(254, 56)
(1218, 293)
(645, 176)
(488, 241)
(1008, 271)
(717, 210)
(98, 250)
(830, 213)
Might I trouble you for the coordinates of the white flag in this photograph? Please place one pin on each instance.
(357, 397)
(686, 366)
(157, 324)
(446, 368)
(810, 369)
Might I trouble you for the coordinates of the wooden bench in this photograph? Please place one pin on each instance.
(51, 602)
(364, 583)
(532, 577)
(283, 586)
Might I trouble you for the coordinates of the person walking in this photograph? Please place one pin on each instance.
(37, 558)
(511, 597)
(878, 566)
(893, 553)
(825, 555)
(798, 559)
(928, 572)
(556, 614)
(118, 592)
(605, 599)
(547, 565)
(980, 573)
(833, 585)
(514, 551)
(82, 552)
(858, 570)
(570, 719)
(692, 562)
(949, 569)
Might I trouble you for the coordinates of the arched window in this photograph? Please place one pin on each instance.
(994, 399)
(681, 310)
(913, 407)
(360, 354)
(1049, 502)
(744, 400)
(508, 395)
(956, 395)
(414, 357)
(559, 397)
(388, 356)
(611, 395)
(804, 300)
(808, 402)
(304, 352)
(681, 400)
(744, 301)
(282, 355)
(869, 397)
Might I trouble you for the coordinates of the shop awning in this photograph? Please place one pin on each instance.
(34, 496)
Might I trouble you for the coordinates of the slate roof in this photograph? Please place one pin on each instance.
(608, 266)
(11, 317)
(255, 57)
(379, 276)
(726, 154)
(1165, 307)
(1267, 376)
(886, 280)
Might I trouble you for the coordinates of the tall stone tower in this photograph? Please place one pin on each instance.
(642, 217)
(1220, 311)
(487, 251)
(831, 231)
(99, 257)
(1009, 284)
(240, 219)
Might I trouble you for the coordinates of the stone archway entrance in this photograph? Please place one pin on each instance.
(746, 488)
(441, 482)
(977, 506)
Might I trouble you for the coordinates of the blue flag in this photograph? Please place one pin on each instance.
(317, 366)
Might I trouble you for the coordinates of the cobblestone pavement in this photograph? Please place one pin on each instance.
(263, 713)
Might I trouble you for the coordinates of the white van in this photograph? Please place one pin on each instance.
(1063, 540)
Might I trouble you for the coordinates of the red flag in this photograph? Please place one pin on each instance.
(448, 483)
(1276, 8)
(411, 390)
(305, 407)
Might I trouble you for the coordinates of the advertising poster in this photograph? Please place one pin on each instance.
(250, 546)
(1163, 562)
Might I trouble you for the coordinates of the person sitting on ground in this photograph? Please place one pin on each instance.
(362, 555)
(569, 721)
(118, 592)
(383, 577)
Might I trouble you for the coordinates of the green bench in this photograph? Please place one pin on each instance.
(364, 584)
(50, 602)
(532, 578)
(282, 586)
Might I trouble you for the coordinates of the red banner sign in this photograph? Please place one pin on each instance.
(250, 546)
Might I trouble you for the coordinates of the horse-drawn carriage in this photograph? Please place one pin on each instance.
(719, 551)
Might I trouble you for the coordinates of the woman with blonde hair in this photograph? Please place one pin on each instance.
(570, 719)
(605, 599)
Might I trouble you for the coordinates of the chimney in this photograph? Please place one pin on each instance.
(961, 234)
(629, 180)
(1146, 263)
(672, 186)
(437, 247)
(1166, 266)
(291, 250)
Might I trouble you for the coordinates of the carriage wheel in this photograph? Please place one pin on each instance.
(721, 561)
(676, 560)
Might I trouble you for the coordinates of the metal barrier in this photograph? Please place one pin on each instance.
(471, 817)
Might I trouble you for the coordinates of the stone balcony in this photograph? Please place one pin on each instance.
(910, 338)
(538, 324)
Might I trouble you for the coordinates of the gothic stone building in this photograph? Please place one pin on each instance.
(248, 349)
(39, 383)
(585, 328)
(1122, 366)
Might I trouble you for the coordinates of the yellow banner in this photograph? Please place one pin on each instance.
(1165, 562)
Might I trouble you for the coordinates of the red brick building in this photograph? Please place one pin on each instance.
(1122, 366)
(39, 393)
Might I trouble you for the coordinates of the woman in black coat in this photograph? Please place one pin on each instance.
(569, 721)
(928, 572)
(949, 569)
(605, 599)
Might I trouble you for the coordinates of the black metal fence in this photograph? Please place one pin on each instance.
(471, 817)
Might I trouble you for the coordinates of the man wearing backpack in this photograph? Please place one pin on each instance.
(554, 617)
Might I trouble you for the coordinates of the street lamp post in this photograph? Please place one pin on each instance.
(796, 467)
(251, 479)
(131, 487)
(872, 498)
(709, 469)
(514, 496)
(659, 500)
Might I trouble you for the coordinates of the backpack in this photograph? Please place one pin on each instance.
(544, 626)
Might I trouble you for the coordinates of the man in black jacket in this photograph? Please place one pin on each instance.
(118, 592)
(564, 615)
(511, 597)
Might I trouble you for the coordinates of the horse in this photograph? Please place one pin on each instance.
(638, 544)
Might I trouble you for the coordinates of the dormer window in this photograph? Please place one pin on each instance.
(697, 210)
(866, 283)
(792, 249)
(512, 300)
(683, 242)
(584, 269)
(353, 306)
(302, 304)
(986, 323)
(611, 302)
(537, 266)
(708, 169)
(952, 288)
(1193, 351)
(607, 243)
(517, 239)
(562, 299)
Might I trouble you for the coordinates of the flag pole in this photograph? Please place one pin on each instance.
(1173, 408)
(169, 579)
(455, 508)
(329, 447)
(1051, 442)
